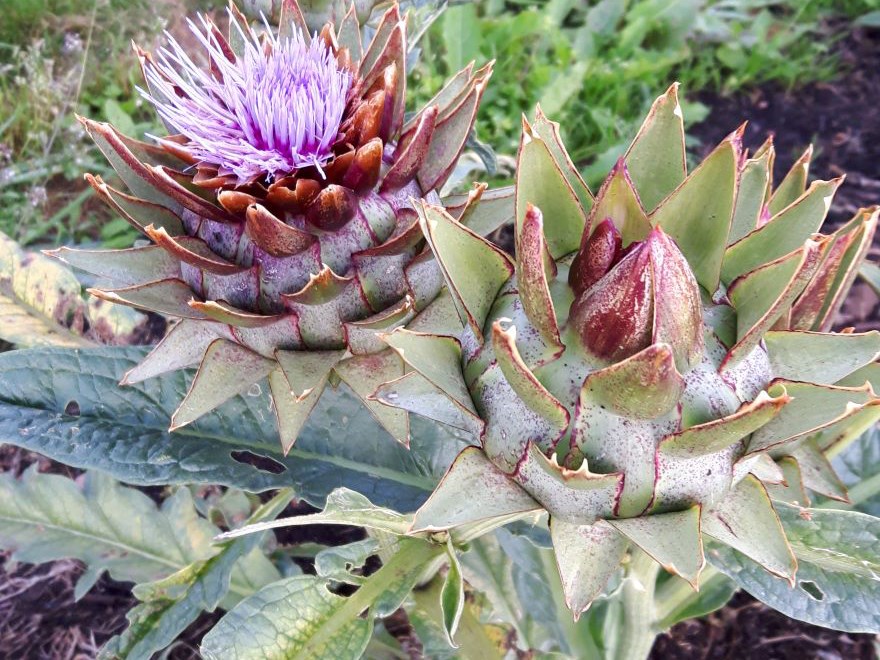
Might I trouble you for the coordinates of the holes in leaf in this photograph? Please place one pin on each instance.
(263, 463)
(812, 589)
(71, 409)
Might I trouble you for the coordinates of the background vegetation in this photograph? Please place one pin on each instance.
(594, 67)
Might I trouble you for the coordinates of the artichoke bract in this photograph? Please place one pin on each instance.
(656, 365)
(278, 207)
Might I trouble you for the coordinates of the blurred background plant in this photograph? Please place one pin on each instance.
(594, 67)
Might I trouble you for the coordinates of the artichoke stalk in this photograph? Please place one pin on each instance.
(278, 207)
(655, 366)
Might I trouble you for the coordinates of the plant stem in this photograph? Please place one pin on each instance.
(864, 490)
(861, 492)
(676, 595)
(637, 597)
(580, 643)
(406, 564)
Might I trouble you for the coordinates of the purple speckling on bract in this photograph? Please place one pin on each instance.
(275, 109)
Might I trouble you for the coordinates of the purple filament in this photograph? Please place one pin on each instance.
(275, 109)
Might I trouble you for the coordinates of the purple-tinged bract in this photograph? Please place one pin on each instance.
(279, 209)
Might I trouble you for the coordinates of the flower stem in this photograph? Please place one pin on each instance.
(406, 565)
(637, 597)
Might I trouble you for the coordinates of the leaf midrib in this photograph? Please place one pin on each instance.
(392, 475)
(121, 545)
(848, 564)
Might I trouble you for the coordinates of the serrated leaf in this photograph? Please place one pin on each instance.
(40, 301)
(272, 624)
(837, 585)
(235, 446)
(301, 618)
(171, 604)
(44, 517)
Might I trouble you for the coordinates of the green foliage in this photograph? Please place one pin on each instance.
(301, 617)
(58, 57)
(595, 67)
(859, 469)
(837, 573)
(169, 605)
(285, 616)
(167, 549)
(51, 399)
(104, 525)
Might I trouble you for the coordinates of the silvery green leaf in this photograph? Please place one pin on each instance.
(278, 621)
(837, 583)
(67, 405)
(338, 562)
(171, 604)
(343, 507)
(301, 618)
(44, 517)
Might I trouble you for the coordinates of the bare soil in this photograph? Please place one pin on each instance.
(841, 119)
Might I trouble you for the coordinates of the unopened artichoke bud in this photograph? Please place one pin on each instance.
(279, 208)
(652, 360)
(649, 297)
(600, 250)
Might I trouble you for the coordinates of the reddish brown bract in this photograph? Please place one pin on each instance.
(650, 296)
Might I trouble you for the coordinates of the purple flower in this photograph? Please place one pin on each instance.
(275, 108)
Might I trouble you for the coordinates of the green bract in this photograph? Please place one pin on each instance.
(287, 277)
(655, 359)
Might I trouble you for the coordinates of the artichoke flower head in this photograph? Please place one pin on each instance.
(654, 365)
(278, 207)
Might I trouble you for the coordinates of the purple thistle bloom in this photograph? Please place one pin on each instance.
(275, 109)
